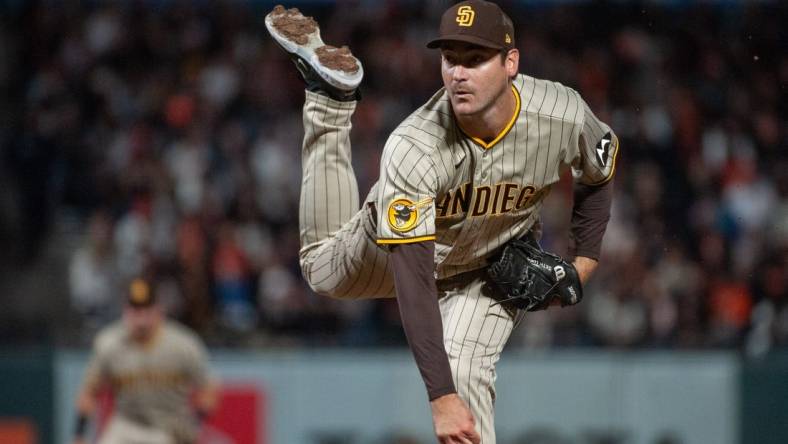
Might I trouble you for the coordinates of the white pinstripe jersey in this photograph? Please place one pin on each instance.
(152, 383)
(470, 197)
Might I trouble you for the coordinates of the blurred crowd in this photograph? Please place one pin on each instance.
(172, 131)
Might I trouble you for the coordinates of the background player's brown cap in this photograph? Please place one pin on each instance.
(140, 294)
(476, 21)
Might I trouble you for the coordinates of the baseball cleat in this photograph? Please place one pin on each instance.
(324, 68)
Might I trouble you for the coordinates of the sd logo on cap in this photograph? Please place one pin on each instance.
(140, 294)
(478, 22)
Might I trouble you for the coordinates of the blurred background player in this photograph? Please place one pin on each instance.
(155, 369)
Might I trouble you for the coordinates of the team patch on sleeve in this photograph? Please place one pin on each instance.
(606, 145)
(404, 213)
(407, 220)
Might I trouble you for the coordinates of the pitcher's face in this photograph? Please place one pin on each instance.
(475, 77)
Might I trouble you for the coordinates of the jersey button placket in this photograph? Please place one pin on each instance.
(485, 170)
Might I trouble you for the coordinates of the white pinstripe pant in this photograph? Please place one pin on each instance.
(122, 431)
(339, 258)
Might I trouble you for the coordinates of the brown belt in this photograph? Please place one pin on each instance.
(461, 280)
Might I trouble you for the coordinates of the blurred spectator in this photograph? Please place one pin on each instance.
(618, 316)
(192, 266)
(93, 275)
(232, 280)
(132, 238)
(770, 315)
(187, 162)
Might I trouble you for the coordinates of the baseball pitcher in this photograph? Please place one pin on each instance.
(451, 226)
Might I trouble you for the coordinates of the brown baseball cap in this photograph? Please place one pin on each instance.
(476, 21)
(140, 294)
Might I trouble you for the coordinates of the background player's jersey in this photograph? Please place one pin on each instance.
(471, 197)
(152, 384)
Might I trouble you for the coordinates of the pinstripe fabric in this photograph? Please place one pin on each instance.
(437, 182)
(120, 430)
(329, 193)
(588, 165)
(503, 186)
(475, 332)
(339, 256)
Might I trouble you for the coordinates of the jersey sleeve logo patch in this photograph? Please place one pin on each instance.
(404, 213)
(603, 149)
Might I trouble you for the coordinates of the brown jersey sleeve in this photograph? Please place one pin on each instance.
(414, 280)
(590, 214)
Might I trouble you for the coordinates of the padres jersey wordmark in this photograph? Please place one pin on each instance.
(485, 199)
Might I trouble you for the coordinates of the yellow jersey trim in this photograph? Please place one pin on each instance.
(409, 240)
(505, 129)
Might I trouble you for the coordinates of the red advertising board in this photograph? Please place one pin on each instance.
(240, 418)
